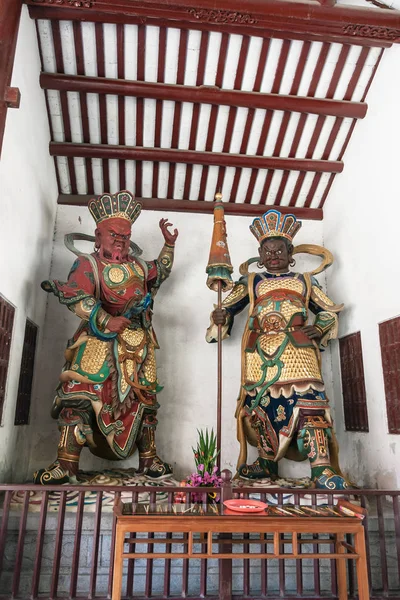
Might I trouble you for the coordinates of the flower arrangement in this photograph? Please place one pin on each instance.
(205, 457)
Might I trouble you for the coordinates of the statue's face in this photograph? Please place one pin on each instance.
(275, 256)
(112, 239)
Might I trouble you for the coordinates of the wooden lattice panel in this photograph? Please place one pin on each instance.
(26, 374)
(7, 312)
(353, 383)
(389, 335)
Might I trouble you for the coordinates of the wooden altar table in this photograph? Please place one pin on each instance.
(208, 534)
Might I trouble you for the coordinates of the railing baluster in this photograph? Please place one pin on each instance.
(20, 545)
(168, 548)
(264, 549)
(131, 561)
(150, 549)
(77, 545)
(58, 546)
(366, 533)
(39, 545)
(299, 562)
(117, 496)
(350, 567)
(396, 512)
(96, 543)
(282, 586)
(382, 544)
(4, 525)
(246, 567)
(334, 586)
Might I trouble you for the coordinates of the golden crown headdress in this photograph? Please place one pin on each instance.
(121, 205)
(275, 224)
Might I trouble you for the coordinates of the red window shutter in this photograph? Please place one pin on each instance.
(7, 312)
(26, 375)
(353, 383)
(389, 335)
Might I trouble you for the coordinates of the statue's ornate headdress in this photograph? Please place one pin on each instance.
(121, 205)
(275, 224)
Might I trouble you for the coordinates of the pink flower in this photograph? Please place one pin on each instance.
(200, 467)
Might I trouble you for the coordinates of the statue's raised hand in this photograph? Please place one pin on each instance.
(169, 237)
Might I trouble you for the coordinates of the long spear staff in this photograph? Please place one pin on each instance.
(219, 269)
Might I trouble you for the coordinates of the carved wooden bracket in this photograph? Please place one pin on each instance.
(12, 97)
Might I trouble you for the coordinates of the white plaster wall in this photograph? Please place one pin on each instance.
(28, 195)
(186, 363)
(361, 227)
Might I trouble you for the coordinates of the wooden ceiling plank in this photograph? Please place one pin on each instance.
(312, 190)
(162, 51)
(268, 117)
(350, 132)
(244, 49)
(47, 107)
(139, 153)
(201, 66)
(199, 206)
(282, 20)
(214, 111)
(319, 67)
(55, 28)
(326, 191)
(249, 121)
(80, 69)
(121, 100)
(180, 80)
(141, 75)
(305, 52)
(99, 36)
(361, 62)
(344, 53)
(362, 59)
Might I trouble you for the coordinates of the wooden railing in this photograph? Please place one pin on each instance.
(49, 551)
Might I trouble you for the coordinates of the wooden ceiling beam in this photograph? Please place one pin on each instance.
(202, 94)
(288, 20)
(201, 206)
(194, 157)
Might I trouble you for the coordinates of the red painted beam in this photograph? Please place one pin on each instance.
(202, 94)
(313, 22)
(201, 206)
(218, 159)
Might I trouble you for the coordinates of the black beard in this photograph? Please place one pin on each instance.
(114, 256)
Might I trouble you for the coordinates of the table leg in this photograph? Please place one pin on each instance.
(361, 566)
(118, 563)
(341, 568)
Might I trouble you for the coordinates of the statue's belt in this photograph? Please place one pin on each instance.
(295, 334)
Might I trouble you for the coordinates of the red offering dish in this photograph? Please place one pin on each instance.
(245, 506)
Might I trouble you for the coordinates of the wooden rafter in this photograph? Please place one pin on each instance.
(250, 17)
(170, 155)
(199, 206)
(202, 94)
(240, 133)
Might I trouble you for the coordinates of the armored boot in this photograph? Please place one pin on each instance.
(313, 442)
(150, 464)
(65, 468)
(265, 466)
